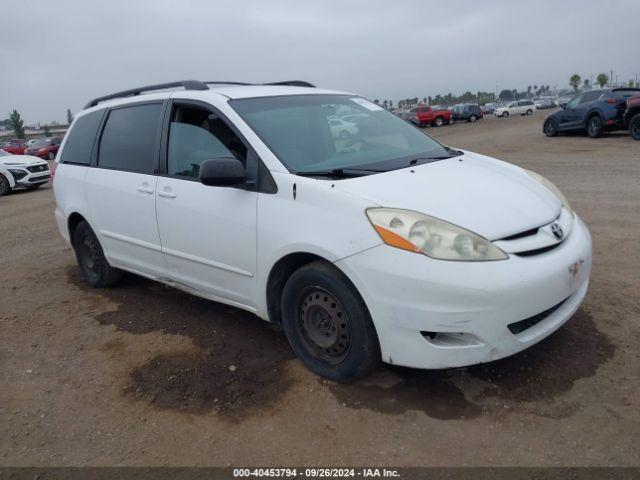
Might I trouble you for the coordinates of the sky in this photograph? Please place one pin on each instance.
(60, 54)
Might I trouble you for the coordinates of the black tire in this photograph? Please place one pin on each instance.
(328, 324)
(473, 118)
(550, 127)
(93, 265)
(634, 127)
(505, 114)
(51, 156)
(595, 126)
(529, 112)
(438, 122)
(5, 188)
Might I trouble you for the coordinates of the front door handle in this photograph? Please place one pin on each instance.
(145, 188)
(166, 193)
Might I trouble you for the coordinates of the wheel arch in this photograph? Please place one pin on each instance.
(73, 220)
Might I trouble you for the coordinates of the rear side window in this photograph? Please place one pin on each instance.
(80, 139)
(129, 138)
(590, 97)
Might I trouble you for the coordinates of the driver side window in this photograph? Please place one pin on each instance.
(196, 135)
(574, 101)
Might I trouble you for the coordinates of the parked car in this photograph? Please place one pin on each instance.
(488, 108)
(45, 148)
(15, 147)
(391, 247)
(592, 112)
(519, 107)
(467, 112)
(631, 116)
(21, 171)
(403, 114)
(342, 129)
(423, 115)
(544, 103)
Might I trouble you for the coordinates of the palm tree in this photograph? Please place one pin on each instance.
(602, 79)
(574, 81)
(585, 84)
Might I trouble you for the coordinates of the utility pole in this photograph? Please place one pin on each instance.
(611, 79)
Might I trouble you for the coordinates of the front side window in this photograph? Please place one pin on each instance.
(129, 138)
(574, 101)
(196, 135)
(297, 129)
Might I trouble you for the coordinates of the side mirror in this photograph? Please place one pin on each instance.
(222, 172)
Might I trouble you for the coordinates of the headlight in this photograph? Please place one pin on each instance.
(16, 172)
(435, 238)
(552, 188)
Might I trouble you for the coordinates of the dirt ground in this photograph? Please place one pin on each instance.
(146, 375)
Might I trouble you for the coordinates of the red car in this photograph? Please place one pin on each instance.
(422, 116)
(15, 147)
(45, 148)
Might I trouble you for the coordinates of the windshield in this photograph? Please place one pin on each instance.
(41, 142)
(302, 132)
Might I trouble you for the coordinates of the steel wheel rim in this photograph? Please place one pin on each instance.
(90, 256)
(324, 326)
(593, 126)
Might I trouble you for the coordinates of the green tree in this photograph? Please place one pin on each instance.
(574, 81)
(17, 124)
(602, 79)
(69, 116)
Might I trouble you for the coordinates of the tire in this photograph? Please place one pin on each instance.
(93, 265)
(595, 126)
(5, 187)
(438, 122)
(473, 118)
(634, 127)
(328, 324)
(550, 127)
(529, 112)
(505, 114)
(51, 156)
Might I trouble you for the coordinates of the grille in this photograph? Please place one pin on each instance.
(527, 323)
(38, 168)
(538, 251)
(527, 233)
(39, 178)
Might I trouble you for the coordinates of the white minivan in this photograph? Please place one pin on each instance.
(384, 245)
(521, 107)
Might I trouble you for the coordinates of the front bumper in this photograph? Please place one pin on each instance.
(440, 314)
(25, 177)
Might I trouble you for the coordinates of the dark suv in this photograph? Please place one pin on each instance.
(467, 112)
(593, 112)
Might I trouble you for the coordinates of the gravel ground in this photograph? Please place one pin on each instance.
(146, 375)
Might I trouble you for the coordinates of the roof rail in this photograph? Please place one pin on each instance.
(290, 83)
(187, 84)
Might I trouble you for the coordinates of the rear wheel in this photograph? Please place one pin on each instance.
(505, 114)
(473, 118)
(5, 188)
(51, 156)
(328, 324)
(91, 260)
(529, 112)
(594, 126)
(634, 127)
(551, 127)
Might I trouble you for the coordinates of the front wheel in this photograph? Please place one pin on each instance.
(439, 122)
(550, 128)
(93, 265)
(5, 188)
(594, 126)
(529, 112)
(505, 114)
(473, 118)
(634, 127)
(328, 324)
(51, 156)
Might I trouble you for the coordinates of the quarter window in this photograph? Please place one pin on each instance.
(129, 138)
(196, 135)
(80, 139)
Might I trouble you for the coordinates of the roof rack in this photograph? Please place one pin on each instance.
(187, 84)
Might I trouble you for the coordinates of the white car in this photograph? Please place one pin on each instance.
(392, 248)
(342, 129)
(22, 171)
(520, 107)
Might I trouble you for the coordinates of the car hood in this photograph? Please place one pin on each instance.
(20, 160)
(489, 197)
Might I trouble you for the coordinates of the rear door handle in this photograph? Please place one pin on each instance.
(145, 188)
(166, 193)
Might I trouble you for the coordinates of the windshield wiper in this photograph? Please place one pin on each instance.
(340, 172)
(453, 152)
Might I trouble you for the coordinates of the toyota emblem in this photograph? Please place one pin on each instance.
(556, 229)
